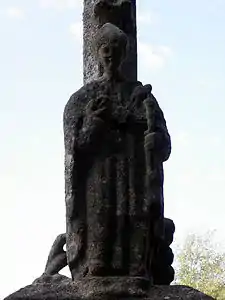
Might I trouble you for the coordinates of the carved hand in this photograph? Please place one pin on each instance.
(140, 93)
(97, 113)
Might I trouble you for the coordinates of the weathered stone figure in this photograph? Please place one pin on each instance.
(116, 140)
(105, 131)
(57, 256)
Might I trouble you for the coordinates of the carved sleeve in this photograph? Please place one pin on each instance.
(81, 132)
(161, 128)
(82, 141)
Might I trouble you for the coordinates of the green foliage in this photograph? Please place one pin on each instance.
(202, 266)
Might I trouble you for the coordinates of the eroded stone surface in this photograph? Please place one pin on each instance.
(116, 140)
(61, 288)
(113, 220)
(162, 271)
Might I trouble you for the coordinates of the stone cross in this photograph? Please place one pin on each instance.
(116, 140)
(121, 13)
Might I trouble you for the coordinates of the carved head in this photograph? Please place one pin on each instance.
(111, 46)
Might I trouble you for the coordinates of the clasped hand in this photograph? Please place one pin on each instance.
(98, 112)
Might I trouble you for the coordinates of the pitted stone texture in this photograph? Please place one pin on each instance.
(162, 271)
(61, 288)
(107, 211)
(114, 169)
(90, 63)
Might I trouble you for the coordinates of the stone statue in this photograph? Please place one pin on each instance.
(116, 140)
(105, 130)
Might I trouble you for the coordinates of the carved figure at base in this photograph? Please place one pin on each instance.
(57, 256)
(107, 208)
(162, 272)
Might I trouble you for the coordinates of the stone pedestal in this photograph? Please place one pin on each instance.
(62, 288)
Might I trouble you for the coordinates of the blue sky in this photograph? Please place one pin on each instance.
(181, 53)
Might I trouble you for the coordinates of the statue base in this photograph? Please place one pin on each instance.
(63, 288)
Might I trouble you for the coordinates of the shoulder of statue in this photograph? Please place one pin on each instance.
(131, 86)
(139, 83)
(84, 91)
(134, 84)
(79, 99)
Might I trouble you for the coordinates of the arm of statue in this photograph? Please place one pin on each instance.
(95, 123)
(85, 123)
(157, 138)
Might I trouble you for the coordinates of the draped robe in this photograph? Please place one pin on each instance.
(106, 204)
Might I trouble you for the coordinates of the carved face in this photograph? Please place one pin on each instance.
(111, 55)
